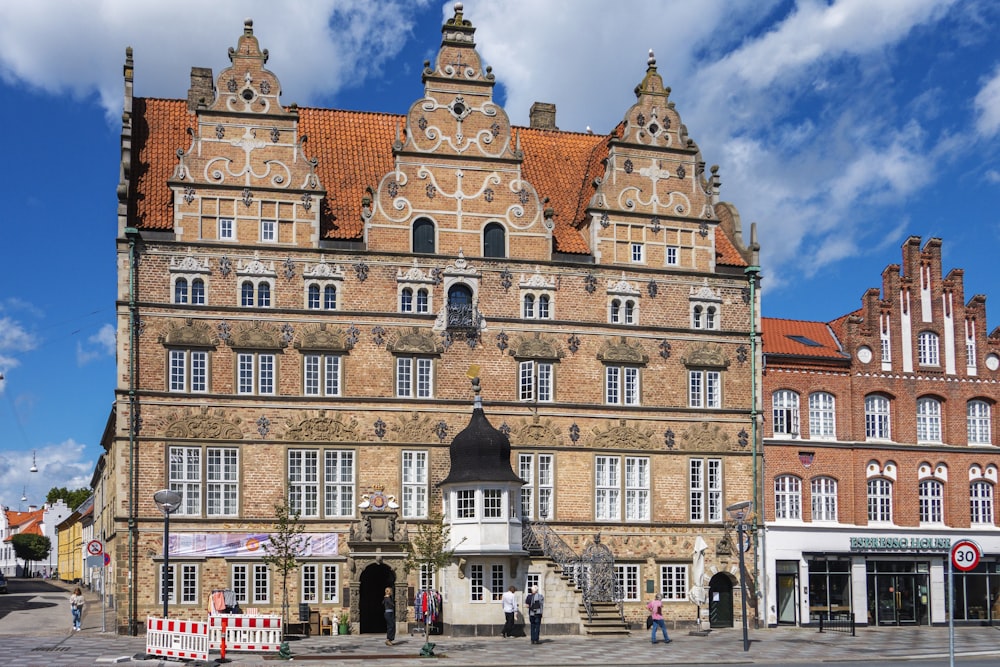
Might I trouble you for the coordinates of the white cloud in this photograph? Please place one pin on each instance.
(101, 344)
(987, 104)
(14, 339)
(59, 464)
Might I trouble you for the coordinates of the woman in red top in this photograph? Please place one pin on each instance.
(655, 608)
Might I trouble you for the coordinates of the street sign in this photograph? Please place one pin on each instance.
(95, 548)
(965, 555)
(107, 559)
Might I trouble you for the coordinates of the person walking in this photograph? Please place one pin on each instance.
(535, 602)
(509, 603)
(389, 611)
(655, 607)
(76, 603)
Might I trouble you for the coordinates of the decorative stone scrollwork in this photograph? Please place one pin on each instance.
(536, 347)
(619, 435)
(706, 355)
(414, 341)
(323, 339)
(622, 352)
(191, 333)
(203, 424)
(258, 335)
(324, 429)
(414, 428)
(706, 436)
(536, 432)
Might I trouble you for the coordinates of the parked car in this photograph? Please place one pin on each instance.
(3, 583)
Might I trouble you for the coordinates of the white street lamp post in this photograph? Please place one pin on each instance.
(168, 501)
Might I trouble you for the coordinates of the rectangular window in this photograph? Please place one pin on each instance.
(188, 583)
(526, 471)
(255, 373)
(540, 486)
(238, 583)
(227, 231)
(321, 374)
(171, 580)
(496, 581)
(535, 379)
(476, 584)
(414, 484)
(673, 582)
(222, 476)
(261, 584)
(636, 488)
(607, 488)
(188, 371)
(428, 579)
(704, 389)
(621, 385)
(268, 231)
(671, 256)
(185, 479)
(338, 483)
(331, 583)
(931, 501)
(465, 504)
(879, 500)
(627, 583)
(414, 377)
(310, 578)
(493, 504)
(705, 489)
(638, 255)
(303, 482)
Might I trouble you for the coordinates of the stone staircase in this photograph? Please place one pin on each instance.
(605, 621)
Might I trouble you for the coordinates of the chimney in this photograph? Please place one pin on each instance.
(543, 116)
(202, 89)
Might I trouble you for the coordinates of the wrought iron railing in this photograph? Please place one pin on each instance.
(463, 317)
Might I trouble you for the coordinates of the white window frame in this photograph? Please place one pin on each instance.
(465, 505)
(477, 584)
(928, 419)
(303, 482)
(627, 583)
(623, 310)
(321, 374)
(222, 481)
(823, 501)
(622, 385)
(227, 229)
(979, 422)
(878, 417)
(497, 581)
(931, 493)
(607, 488)
(187, 371)
(879, 500)
(637, 252)
(671, 255)
(320, 583)
(256, 373)
(787, 498)
(268, 231)
(309, 583)
(705, 389)
(414, 465)
(258, 298)
(785, 411)
(674, 582)
(981, 503)
(339, 478)
(414, 377)
(414, 299)
(184, 474)
(822, 415)
(705, 490)
(538, 495)
(637, 489)
(536, 380)
(928, 346)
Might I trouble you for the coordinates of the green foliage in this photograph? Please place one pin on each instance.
(31, 547)
(73, 499)
(284, 547)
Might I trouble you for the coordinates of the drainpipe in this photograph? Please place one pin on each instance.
(133, 405)
(752, 273)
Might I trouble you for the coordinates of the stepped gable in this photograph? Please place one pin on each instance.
(480, 453)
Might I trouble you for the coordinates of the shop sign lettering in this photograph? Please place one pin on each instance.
(900, 543)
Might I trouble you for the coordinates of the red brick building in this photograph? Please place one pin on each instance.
(881, 451)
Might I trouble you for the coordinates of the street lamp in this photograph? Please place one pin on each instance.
(739, 512)
(168, 501)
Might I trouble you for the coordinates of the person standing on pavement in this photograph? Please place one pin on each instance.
(655, 607)
(389, 611)
(76, 606)
(535, 602)
(509, 603)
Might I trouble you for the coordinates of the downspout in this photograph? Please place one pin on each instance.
(133, 405)
(752, 273)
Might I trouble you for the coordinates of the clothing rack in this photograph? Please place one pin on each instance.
(427, 612)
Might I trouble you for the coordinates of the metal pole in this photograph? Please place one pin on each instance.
(951, 612)
(743, 583)
(166, 561)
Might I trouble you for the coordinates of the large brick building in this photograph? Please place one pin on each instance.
(881, 449)
(303, 292)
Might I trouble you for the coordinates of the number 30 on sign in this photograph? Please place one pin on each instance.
(965, 555)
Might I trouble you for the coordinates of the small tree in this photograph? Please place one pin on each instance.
(283, 549)
(428, 549)
(31, 548)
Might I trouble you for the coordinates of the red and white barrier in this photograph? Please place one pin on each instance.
(244, 632)
(173, 638)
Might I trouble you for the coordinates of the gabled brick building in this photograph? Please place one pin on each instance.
(302, 294)
(881, 449)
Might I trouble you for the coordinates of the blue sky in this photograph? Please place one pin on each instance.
(841, 127)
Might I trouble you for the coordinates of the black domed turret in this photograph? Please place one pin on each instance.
(480, 453)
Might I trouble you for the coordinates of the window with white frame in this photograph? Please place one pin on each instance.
(623, 311)
(477, 588)
(414, 377)
(880, 500)
(496, 581)
(321, 297)
(886, 346)
(607, 488)
(320, 583)
(538, 495)
(823, 491)
(227, 229)
(268, 231)
(704, 316)
(637, 498)
(970, 346)
(414, 484)
(255, 294)
(981, 503)
(931, 493)
(928, 420)
(822, 415)
(428, 577)
(330, 583)
(309, 585)
(785, 404)
(536, 306)
(256, 373)
(338, 482)
(927, 348)
(627, 583)
(877, 423)
(705, 490)
(261, 584)
(671, 256)
(188, 574)
(465, 504)
(414, 300)
(303, 482)
(217, 484)
(192, 292)
(535, 380)
(321, 374)
(621, 385)
(637, 253)
(704, 389)
(978, 419)
(188, 371)
(673, 582)
(787, 498)
(533, 579)
(493, 504)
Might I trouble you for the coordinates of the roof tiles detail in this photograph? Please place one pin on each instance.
(777, 338)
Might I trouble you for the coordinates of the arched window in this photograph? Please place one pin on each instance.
(406, 300)
(978, 417)
(422, 301)
(616, 307)
(529, 306)
(629, 311)
(494, 240)
(313, 301)
(461, 313)
(696, 317)
(931, 501)
(785, 404)
(181, 290)
(459, 295)
(824, 498)
(423, 236)
(330, 297)
(822, 415)
(927, 348)
(880, 500)
(710, 317)
(264, 294)
(246, 294)
(928, 420)
(981, 502)
(877, 424)
(787, 497)
(198, 292)
(543, 307)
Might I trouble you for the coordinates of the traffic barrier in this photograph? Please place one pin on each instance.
(244, 632)
(177, 639)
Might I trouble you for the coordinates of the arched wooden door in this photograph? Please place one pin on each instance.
(720, 601)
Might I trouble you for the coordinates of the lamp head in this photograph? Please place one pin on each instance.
(168, 501)
(740, 510)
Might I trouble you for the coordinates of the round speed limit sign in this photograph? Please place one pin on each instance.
(965, 555)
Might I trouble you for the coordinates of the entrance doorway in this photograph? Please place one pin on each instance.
(898, 593)
(720, 601)
(374, 580)
(788, 587)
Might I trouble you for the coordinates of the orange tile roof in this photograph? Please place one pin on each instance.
(354, 151)
(726, 253)
(777, 338)
(27, 523)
